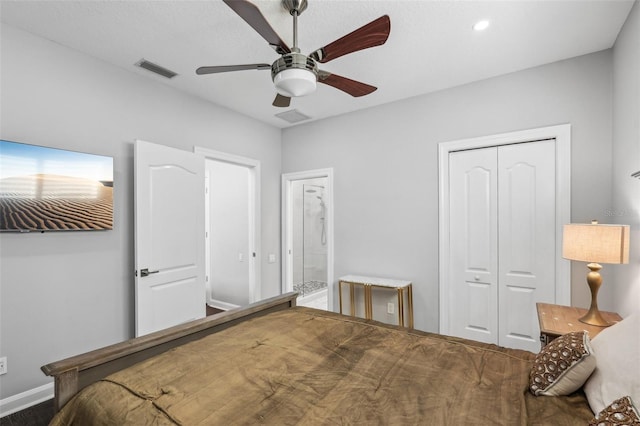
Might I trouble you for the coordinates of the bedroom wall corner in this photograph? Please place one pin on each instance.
(626, 159)
(386, 165)
(66, 293)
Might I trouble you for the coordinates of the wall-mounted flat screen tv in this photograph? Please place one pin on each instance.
(48, 189)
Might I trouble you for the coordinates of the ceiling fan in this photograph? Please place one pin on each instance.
(295, 74)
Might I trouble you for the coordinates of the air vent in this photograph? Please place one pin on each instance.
(292, 116)
(150, 66)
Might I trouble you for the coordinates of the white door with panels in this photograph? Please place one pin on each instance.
(526, 240)
(169, 237)
(502, 241)
(474, 244)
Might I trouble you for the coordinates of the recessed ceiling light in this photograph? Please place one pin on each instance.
(481, 25)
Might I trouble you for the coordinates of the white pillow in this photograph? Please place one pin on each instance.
(617, 373)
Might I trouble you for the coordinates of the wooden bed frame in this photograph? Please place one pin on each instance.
(74, 373)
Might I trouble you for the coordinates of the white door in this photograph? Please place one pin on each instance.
(503, 239)
(169, 237)
(527, 239)
(474, 244)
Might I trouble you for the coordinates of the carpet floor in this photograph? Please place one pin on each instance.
(37, 415)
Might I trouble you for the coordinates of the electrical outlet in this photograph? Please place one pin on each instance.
(3, 365)
(391, 308)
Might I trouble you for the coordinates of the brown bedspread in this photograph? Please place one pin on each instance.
(303, 366)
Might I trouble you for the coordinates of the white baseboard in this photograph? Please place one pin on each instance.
(313, 296)
(25, 399)
(219, 304)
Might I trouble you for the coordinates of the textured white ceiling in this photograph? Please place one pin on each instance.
(431, 45)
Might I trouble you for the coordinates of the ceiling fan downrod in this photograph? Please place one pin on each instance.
(294, 74)
(295, 8)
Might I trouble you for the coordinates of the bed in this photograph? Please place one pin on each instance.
(275, 363)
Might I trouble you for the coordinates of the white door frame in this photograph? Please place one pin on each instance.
(254, 215)
(287, 226)
(562, 134)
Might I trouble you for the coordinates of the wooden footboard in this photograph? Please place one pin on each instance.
(73, 374)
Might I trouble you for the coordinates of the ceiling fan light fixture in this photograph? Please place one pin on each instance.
(294, 74)
(295, 82)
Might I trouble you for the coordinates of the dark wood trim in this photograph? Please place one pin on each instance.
(74, 373)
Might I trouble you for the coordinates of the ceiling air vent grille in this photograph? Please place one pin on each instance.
(150, 66)
(292, 116)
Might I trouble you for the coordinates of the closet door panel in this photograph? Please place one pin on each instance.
(520, 308)
(473, 244)
(526, 217)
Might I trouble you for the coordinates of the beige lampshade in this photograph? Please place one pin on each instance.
(597, 243)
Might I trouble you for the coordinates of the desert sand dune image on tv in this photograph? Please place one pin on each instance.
(46, 189)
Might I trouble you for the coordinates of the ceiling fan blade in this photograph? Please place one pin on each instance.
(281, 101)
(375, 33)
(252, 15)
(352, 87)
(227, 68)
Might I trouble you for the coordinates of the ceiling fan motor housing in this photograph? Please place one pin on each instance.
(294, 74)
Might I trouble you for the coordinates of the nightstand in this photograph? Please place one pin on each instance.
(556, 320)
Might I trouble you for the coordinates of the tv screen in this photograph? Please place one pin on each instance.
(48, 189)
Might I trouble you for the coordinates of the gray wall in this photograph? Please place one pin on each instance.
(66, 293)
(626, 159)
(386, 170)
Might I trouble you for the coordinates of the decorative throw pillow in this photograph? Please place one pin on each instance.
(563, 365)
(617, 373)
(620, 412)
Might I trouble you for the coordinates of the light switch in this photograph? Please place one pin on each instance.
(272, 258)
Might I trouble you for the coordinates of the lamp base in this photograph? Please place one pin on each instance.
(594, 317)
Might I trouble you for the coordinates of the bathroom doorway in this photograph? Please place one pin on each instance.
(307, 227)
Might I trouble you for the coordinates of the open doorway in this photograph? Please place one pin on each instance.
(307, 228)
(231, 226)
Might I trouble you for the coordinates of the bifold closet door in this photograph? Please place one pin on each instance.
(502, 241)
(526, 239)
(473, 222)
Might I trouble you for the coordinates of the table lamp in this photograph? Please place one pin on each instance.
(595, 243)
